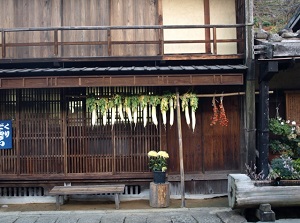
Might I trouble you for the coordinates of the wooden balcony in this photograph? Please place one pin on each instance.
(122, 43)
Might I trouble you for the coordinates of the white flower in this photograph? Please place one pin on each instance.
(288, 121)
(152, 154)
(164, 169)
(293, 123)
(163, 154)
(281, 123)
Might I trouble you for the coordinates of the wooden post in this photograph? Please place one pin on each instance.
(180, 150)
(159, 195)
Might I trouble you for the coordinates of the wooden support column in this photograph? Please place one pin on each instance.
(180, 150)
(207, 22)
(267, 71)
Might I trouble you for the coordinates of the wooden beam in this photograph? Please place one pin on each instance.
(207, 22)
(121, 80)
(180, 149)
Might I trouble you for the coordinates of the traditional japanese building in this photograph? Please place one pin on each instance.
(57, 54)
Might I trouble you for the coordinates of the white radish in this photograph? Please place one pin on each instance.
(104, 116)
(145, 115)
(154, 117)
(164, 117)
(129, 115)
(94, 117)
(120, 111)
(171, 102)
(113, 116)
(193, 119)
(135, 117)
(187, 115)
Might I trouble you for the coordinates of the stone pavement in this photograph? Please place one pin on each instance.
(182, 215)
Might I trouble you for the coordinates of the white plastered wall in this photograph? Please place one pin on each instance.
(191, 12)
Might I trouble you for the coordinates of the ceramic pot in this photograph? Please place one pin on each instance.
(159, 177)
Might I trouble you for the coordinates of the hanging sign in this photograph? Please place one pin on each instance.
(5, 134)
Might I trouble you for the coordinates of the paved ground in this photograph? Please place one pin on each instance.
(182, 215)
(214, 210)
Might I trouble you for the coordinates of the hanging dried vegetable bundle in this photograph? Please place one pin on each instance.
(91, 103)
(103, 107)
(164, 107)
(154, 101)
(172, 107)
(134, 106)
(127, 105)
(214, 118)
(222, 119)
(118, 103)
(194, 106)
(185, 107)
(143, 99)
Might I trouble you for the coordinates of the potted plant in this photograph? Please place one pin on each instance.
(158, 165)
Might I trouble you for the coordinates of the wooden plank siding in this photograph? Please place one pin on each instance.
(53, 137)
(209, 148)
(110, 30)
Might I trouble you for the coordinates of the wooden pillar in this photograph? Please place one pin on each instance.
(267, 71)
(159, 195)
(180, 150)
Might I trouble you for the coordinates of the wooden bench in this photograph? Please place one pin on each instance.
(88, 189)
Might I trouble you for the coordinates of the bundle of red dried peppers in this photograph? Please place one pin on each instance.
(219, 114)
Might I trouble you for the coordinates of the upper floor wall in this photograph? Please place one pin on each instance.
(119, 29)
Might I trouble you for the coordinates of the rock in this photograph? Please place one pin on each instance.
(261, 34)
(274, 38)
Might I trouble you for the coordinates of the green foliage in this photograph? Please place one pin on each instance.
(279, 127)
(285, 168)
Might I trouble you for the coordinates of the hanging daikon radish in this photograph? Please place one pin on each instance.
(172, 107)
(134, 106)
(143, 99)
(127, 105)
(91, 103)
(154, 101)
(118, 104)
(103, 106)
(194, 106)
(185, 108)
(164, 107)
(94, 117)
(112, 107)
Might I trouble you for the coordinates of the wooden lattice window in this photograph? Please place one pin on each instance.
(293, 106)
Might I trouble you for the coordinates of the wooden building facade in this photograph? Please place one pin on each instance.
(55, 53)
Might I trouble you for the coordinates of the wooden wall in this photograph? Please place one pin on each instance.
(209, 148)
(53, 136)
(57, 13)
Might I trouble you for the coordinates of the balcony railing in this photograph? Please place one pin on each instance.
(123, 42)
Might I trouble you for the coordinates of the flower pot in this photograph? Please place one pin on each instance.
(159, 177)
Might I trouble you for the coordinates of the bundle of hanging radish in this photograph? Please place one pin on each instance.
(172, 107)
(103, 107)
(91, 103)
(144, 99)
(134, 106)
(119, 105)
(194, 105)
(164, 107)
(222, 119)
(127, 105)
(185, 107)
(154, 101)
(113, 110)
(214, 118)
